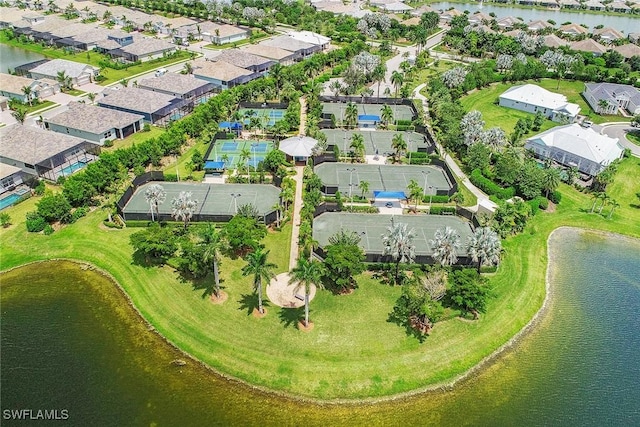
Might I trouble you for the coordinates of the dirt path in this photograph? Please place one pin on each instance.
(303, 115)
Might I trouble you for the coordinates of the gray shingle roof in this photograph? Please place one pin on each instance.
(32, 145)
(608, 90)
(71, 68)
(287, 43)
(147, 46)
(219, 70)
(241, 59)
(270, 52)
(172, 82)
(14, 84)
(93, 119)
(7, 170)
(135, 99)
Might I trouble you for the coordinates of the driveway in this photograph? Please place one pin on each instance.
(620, 130)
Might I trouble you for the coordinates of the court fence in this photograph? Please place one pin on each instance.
(264, 105)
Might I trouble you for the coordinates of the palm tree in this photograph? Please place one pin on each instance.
(183, 207)
(386, 115)
(484, 247)
(398, 242)
(188, 68)
(378, 76)
(415, 191)
(336, 87)
(351, 115)
(397, 79)
(445, 244)
(245, 154)
(603, 105)
(91, 96)
(597, 195)
(155, 196)
(550, 180)
(305, 274)
(275, 72)
(63, 79)
(20, 114)
(258, 265)
(364, 187)
(211, 254)
(357, 145)
(605, 199)
(614, 204)
(278, 210)
(26, 90)
(399, 145)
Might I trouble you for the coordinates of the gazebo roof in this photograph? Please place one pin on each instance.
(298, 146)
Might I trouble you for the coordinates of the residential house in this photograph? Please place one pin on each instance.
(418, 12)
(573, 30)
(43, 153)
(79, 73)
(156, 108)
(533, 99)
(448, 15)
(255, 63)
(608, 35)
(595, 5)
(143, 50)
(588, 45)
(33, 18)
(614, 95)
(12, 87)
(93, 123)
(550, 4)
(569, 4)
(628, 50)
(412, 22)
(311, 38)
(479, 18)
(396, 7)
(507, 23)
(222, 74)
(213, 32)
(9, 16)
(634, 37)
(537, 26)
(12, 177)
(575, 146)
(187, 87)
(286, 42)
(618, 6)
(552, 41)
(284, 57)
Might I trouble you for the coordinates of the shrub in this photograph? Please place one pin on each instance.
(544, 203)
(35, 223)
(39, 189)
(5, 220)
(138, 170)
(436, 199)
(556, 197)
(108, 143)
(78, 213)
(146, 127)
(170, 177)
(439, 210)
(490, 187)
(61, 180)
(48, 229)
(54, 207)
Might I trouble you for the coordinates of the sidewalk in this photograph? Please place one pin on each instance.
(297, 206)
(483, 199)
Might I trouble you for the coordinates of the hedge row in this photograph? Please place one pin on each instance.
(490, 187)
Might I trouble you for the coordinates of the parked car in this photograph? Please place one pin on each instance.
(161, 72)
(587, 123)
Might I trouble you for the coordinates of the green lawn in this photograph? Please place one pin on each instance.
(353, 352)
(94, 58)
(634, 136)
(43, 105)
(185, 158)
(136, 138)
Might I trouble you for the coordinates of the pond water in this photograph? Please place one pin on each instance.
(11, 57)
(71, 341)
(626, 24)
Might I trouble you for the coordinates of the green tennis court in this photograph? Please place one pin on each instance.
(213, 199)
(388, 178)
(371, 227)
(265, 116)
(400, 112)
(231, 150)
(375, 141)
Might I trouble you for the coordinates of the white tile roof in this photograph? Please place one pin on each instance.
(71, 68)
(536, 95)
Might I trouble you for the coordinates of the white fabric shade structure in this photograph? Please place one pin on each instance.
(298, 146)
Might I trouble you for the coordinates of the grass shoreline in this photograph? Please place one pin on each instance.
(261, 348)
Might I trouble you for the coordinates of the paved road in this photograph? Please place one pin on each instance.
(620, 130)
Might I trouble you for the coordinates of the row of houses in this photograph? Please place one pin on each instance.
(614, 6)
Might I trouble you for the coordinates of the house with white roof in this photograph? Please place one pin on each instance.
(310, 37)
(79, 73)
(575, 146)
(615, 95)
(533, 99)
(221, 73)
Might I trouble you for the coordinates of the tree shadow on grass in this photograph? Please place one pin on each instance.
(291, 316)
(207, 285)
(142, 260)
(249, 302)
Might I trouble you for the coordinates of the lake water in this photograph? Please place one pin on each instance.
(71, 341)
(11, 57)
(626, 24)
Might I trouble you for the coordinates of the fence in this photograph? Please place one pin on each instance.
(378, 258)
(137, 182)
(325, 157)
(264, 105)
(453, 185)
(326, 207)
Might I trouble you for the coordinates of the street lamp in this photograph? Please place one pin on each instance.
(253, 150)
(235, 201)
(430, 197)
(426, 181)
(351, 171)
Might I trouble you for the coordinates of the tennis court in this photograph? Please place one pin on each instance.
(231, 150)
(388, 178)
(400, 112)
(375, 141)
(370, 228)
(213, 199)
(265, 116)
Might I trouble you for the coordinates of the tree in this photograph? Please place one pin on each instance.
(530, 181)
(454, 77)
(386, 115)
(538, 121)
(397, 79)
(262, 269)
(495, 138)
(154, 242)
(351, 115)
(357, 145)
(478, 156)
(64, 80)
(364, 187)
(445, 245)
(243, 234)
(550, 180)
(472, 126)
(5, 220)
(275, 72)
(416, 309)
(27, 91)
(20, 114)
(415, 191)
(274, 159)
(399, 145)
(614, 204)
(484, 247)
(603, 106)
(78, 191)
(595, 196)
(183, 207)
(336, 87)
(188, 68)
(54, 207)
(468, 291)
(344, 260)
(304, 275)
(398, 243)
(155, 196)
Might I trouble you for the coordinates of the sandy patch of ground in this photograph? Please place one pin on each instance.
(282, 294)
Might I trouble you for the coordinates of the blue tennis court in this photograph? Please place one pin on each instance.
(231, 152)
(229, 146)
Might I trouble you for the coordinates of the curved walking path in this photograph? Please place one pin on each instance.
(483, 199)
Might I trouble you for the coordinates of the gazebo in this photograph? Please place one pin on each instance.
(300, 147)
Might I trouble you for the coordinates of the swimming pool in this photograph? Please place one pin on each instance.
(68, 170)
(9, 200)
